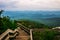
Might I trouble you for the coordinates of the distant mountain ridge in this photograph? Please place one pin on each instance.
(47, 17)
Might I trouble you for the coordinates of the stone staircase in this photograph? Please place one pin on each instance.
(22, 35)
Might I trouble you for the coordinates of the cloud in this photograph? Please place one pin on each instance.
(29, 4)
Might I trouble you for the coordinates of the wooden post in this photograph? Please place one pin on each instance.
(31, 34)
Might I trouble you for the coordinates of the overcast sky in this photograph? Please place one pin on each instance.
(30, 4)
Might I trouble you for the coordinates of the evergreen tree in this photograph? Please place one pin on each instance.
(1, 13)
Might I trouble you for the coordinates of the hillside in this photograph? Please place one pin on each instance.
(33, 24)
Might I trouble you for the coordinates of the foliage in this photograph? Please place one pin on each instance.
(1, 12)
(32, 24)
(44, 35)
(6, 23)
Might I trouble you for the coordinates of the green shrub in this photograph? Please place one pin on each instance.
(6, 23)
(44, 35)
(32, 24)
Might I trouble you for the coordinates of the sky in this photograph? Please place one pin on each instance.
(30, 4)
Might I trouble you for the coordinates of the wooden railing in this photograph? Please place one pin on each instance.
(10, 36)
(6, 35)
(12, 33)
(24, 28)
(29, 31)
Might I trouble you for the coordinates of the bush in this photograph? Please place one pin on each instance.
(44, 35)
(32, 24)
(6, 23)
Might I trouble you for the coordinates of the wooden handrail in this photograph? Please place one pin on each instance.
(24, 28)
(6, 34)
(3, 35)
(31, 30)
(11, 36)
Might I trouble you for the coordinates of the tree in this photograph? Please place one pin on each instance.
(1, 20)
(1, 12)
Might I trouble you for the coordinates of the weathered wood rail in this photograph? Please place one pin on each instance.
(6, 35)
(24, 28)
(29, 31)
(13, 33)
